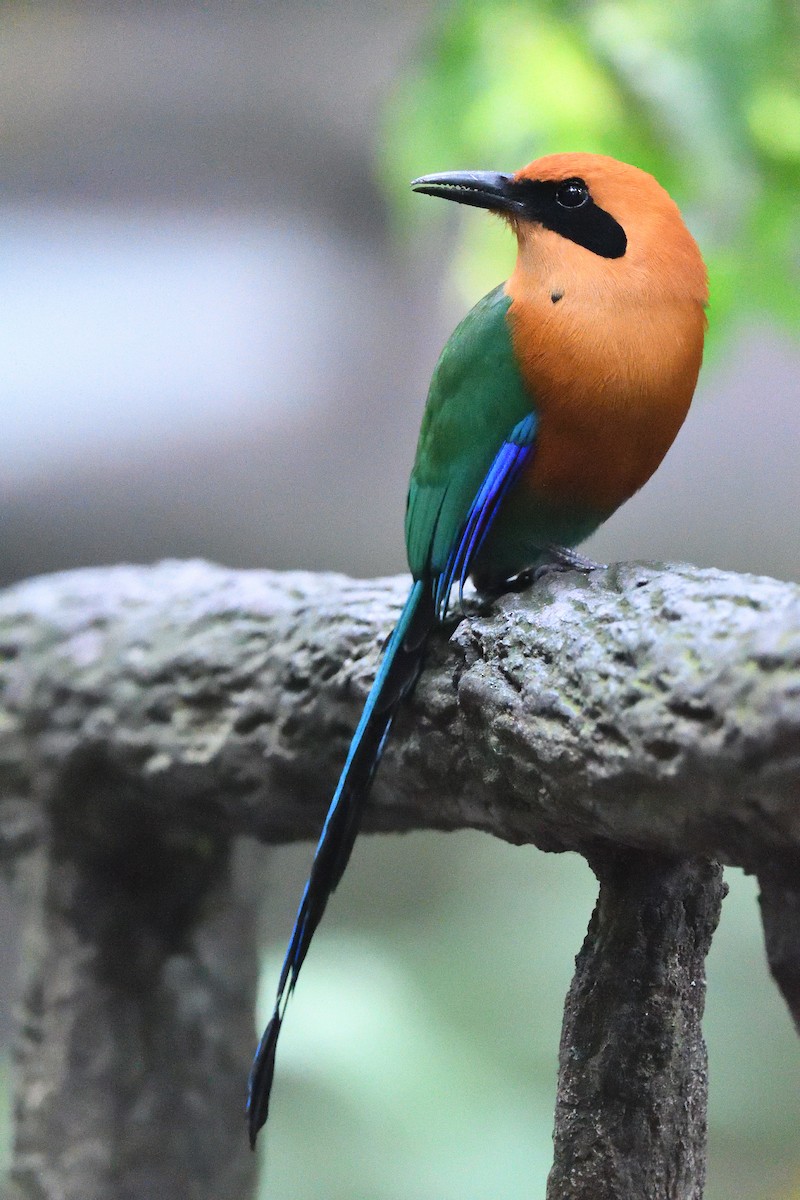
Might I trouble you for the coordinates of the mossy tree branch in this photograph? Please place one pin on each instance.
(643, 712)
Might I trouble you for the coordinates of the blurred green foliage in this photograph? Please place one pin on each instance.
(420, 1059)
(705, 96)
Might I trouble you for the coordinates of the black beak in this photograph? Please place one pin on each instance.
(481, 189)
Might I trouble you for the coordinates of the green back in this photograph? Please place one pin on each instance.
(475, 399)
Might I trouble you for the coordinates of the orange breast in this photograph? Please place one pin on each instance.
(612, 384)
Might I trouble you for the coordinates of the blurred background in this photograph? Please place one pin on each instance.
(221, 307)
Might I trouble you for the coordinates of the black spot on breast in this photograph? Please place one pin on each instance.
(556, 296)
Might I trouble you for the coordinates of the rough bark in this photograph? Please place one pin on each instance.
(780, 914)
(150, 715)
(655, 708)
(136, 1015)
(633, 1084)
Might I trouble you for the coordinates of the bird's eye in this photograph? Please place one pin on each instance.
(572, 193)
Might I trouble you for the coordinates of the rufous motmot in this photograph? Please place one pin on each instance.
(554, 400)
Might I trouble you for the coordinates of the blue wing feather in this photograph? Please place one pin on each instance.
(503, 473)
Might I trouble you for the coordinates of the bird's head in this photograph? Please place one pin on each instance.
(592, 216)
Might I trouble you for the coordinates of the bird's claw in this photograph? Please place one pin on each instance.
(562, 558)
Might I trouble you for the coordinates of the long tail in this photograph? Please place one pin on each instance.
(399, 669)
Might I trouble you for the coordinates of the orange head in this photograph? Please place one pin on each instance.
(598, 224)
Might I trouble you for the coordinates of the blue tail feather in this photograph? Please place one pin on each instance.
(396, 677)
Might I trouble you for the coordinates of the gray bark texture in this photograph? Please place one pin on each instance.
(633, 1079)
(648, 717)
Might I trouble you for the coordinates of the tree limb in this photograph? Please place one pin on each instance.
(633, 1079)
(136, 1019)
(653, 708)
(644, 716)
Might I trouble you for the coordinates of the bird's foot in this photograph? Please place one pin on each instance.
(491, 588)
(562, 558)
(552, 559)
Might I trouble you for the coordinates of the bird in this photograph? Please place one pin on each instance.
(554, 400)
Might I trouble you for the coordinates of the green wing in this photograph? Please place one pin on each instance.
(475, 401)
